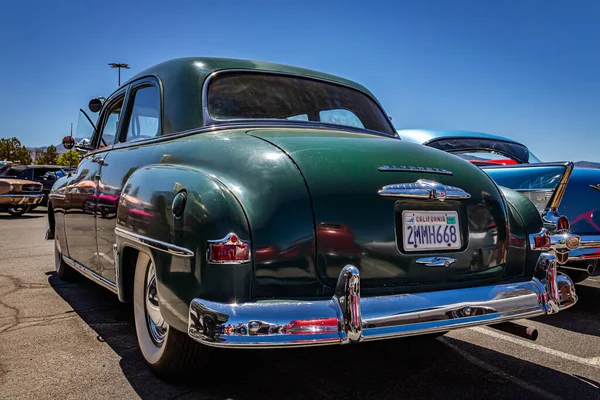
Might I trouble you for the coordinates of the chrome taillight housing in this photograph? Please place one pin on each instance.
(228, 250)
(559, 243)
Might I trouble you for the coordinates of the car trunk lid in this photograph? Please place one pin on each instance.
(356, 224)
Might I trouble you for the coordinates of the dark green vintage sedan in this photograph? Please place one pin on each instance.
(243, 204)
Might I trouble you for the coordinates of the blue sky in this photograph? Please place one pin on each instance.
(529, 70)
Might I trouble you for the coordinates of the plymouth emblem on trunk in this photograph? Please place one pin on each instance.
(597, 187)
(412, 168)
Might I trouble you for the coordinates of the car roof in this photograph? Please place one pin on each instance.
(423, 136)
(201, 67)
(182, 80)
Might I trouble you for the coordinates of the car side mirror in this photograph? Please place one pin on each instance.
(95, 105)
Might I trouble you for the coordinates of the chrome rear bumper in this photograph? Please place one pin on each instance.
(589, 249)
(347, 317)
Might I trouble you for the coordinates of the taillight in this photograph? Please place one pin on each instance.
(562, 224)
(230, 249)
(542, 241)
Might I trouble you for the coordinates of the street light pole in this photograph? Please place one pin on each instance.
(119, 66)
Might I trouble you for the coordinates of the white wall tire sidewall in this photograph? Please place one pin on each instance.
(150, 350)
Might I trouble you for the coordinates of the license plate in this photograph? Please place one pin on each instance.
(430, 230)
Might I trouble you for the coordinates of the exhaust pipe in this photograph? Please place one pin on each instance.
(525, 332)
(590, 268)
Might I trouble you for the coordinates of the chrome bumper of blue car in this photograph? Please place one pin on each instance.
(588, 249)
(348, 318)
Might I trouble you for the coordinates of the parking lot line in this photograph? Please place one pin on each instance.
(592, 362)
(499, 372)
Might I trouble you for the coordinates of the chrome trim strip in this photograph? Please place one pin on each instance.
(88, 273)
(118, 279)
(560, 189)
(155, 244)
(412, 168)
(424, 189)
(348, 318)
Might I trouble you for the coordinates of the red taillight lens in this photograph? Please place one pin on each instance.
(228, 252)
(542, 241)
(230, 249)
(562, 223)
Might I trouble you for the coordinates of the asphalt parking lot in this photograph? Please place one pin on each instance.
(75, 340)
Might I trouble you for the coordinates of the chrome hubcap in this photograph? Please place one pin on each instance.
(156, 324)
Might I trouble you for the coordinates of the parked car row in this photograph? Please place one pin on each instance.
(243, 204)
(18, 196)
(45, 175)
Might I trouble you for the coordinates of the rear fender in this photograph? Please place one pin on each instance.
(177, 244)
(525, 220)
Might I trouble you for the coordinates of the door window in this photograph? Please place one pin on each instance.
(111, 124)
(144, 121)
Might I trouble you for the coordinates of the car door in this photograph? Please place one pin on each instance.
(81, 197)
(141, 122)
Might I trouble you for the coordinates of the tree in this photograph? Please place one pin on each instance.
(68, 159)
(48, 157)
(22, 156)
(51, 155)
(11, 149)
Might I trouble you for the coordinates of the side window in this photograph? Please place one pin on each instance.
(111, 124)
(27, 174)
(340, 117)
(144, 119)
(38, 173)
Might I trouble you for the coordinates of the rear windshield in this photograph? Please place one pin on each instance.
(257, 96)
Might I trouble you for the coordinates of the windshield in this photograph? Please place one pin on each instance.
(13, 172)
(488, 151)
(258, 96)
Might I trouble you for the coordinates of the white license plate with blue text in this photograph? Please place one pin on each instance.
(430, 230)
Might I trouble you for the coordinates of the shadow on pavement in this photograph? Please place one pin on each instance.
(404, 368)
(583, 317)
(36, 213)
